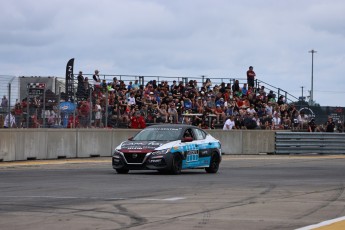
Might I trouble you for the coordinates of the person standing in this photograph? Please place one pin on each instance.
(4, 103)
(18, 113)
(98, 114)
(10, 120)
(81, 88)
(330, 125)
(250, 76)
(96, 77)
(84, 113)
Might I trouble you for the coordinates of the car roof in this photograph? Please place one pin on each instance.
(183, 126)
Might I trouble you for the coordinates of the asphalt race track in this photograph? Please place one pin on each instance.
(249, 192)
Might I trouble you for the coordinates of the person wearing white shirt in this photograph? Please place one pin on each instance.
(251, 110)
(131, 99)
(276, 121)
(229, 123)
(10, 120)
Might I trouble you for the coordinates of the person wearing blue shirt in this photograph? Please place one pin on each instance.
(220, 102)
(244, 89)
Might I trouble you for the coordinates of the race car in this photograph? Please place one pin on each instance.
(168, 148)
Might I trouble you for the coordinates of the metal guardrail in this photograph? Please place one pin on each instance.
(304, 142)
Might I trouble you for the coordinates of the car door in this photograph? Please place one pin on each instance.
(204, 153)
(191, 150)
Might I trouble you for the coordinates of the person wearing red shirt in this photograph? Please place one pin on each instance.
(138, 121)
(250, 76)
(18, 113)
(84, 114)
(73, 123)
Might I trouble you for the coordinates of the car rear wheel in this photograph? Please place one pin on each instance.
(122, 171)
(214, 164)
(176, 165)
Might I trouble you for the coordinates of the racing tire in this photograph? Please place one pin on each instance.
(176, 165)
(214, 164)
(122, 171)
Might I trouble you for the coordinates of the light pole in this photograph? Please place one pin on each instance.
(312, 76)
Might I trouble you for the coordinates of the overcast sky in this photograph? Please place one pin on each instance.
(216, 38)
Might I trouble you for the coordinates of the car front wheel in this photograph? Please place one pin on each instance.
(176, 165)
(214, 164)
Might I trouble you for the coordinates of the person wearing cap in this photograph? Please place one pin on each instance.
(250, 76)
(219, 111)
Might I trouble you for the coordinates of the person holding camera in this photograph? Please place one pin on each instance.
(312, 125)
(163, 113)
(330, 125)
(173, 114)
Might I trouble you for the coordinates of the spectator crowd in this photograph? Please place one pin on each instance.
(209, 106)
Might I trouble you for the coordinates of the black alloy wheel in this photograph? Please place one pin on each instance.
(214, 164)
(176, 165)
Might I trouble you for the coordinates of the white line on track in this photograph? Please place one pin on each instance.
(96, 198)
(324, 223)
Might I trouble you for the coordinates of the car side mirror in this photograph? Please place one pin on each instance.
(130, 139)
(187, 139)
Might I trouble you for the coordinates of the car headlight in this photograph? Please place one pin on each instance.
(116, 152)
(160, 152)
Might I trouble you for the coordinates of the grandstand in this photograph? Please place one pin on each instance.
(16, 88)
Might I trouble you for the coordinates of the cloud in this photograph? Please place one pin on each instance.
(180, 38)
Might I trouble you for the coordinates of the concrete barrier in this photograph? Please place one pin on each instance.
(245, 141)
(26, 144)
(61, 143)
(7, 145)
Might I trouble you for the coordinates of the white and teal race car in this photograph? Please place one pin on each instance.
(168, 148)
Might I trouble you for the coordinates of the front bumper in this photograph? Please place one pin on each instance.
(141, 161)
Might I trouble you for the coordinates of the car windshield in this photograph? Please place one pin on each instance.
(158, 134)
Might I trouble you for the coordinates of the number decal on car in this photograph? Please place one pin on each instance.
(192, 156)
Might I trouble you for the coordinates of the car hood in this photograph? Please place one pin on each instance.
(142, 146)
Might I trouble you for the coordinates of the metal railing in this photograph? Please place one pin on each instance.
(305, 143)
(215, 81)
